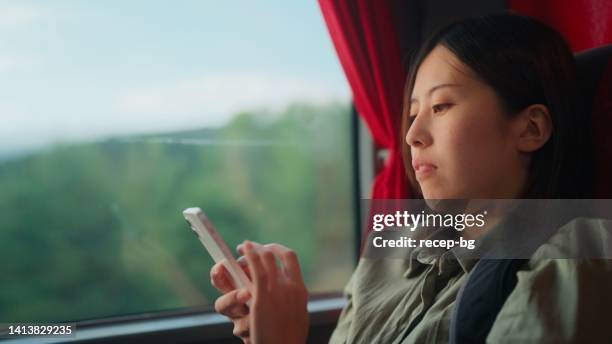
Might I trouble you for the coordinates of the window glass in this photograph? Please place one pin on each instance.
(117, 115)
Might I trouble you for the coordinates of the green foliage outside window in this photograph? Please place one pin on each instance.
(95, 229)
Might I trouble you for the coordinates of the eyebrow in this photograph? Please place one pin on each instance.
(431, 90)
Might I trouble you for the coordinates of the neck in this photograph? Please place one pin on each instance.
(496, 210)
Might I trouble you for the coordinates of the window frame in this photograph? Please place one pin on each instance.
(185, 326)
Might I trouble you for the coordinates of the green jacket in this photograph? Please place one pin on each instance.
(411, 300)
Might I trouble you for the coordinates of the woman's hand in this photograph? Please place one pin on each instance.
(278, 312)
(233, 301)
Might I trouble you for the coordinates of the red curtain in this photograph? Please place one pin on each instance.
(364, 37)
(584, 23)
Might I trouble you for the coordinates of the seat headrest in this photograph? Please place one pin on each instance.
(591, 67)
(594, 68)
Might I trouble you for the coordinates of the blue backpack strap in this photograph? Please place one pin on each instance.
(481, 297)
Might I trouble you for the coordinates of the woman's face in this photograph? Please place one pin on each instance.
(461, 141)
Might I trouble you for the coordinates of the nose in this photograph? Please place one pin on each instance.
(418, 135)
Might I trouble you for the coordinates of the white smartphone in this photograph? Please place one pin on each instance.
(217, 248)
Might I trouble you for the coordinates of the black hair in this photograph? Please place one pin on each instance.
(525, 62)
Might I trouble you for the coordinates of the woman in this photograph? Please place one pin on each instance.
(490, 113)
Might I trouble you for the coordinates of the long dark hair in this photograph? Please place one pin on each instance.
(525, 62)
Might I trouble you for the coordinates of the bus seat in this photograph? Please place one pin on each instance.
(594, 67)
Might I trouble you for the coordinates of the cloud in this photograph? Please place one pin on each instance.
(213, 99)
(15, 15)
(206, 101)
(10, 63)
(20, 130)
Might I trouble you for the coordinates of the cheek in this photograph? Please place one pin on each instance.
(473, 152)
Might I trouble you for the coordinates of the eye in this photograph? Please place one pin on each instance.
(441, 107)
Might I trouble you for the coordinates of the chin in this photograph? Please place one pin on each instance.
(429, 194)
(442, 195)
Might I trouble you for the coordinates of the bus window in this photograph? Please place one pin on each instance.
(117, 115)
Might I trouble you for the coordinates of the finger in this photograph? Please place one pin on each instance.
(220, 278)
(243, 296)
(240, 247)
(269, 262)
(244, 265)
(242, 260)
(258, 272)
(232, 305)
(289, 260)
(241, 328)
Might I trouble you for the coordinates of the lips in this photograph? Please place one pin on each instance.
(423, 168)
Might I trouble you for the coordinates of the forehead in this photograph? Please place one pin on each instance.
(441, 66)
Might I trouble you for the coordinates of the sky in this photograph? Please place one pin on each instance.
(74, 70)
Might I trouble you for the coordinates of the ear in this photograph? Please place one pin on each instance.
(534, 128)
